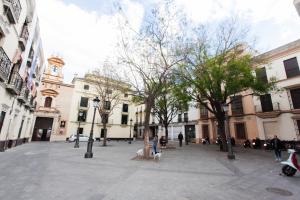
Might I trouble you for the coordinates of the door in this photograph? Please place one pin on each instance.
(189, 131)
(205, 131)
(42, 129)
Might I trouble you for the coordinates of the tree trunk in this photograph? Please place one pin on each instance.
(221, 133)
(105, 135)
(166, 133)
(148, 105)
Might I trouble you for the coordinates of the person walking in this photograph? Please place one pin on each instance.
(155, 140)
(276, 143)
(180, 138)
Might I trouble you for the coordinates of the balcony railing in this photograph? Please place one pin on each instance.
(13, 10)
(204, 115)
(237, 111)
(23, 97)
(30, 57)
(275, 107)
(24, 37)
(5, 65)
(14, 85)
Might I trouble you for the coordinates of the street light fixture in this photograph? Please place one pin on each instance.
(80, 114)
(89, 153)
(130, 132)
(230, 154)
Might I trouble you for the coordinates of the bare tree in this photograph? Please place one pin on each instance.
(110, 90)
(150, 54)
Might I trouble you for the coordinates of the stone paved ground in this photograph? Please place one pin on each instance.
(48, 171)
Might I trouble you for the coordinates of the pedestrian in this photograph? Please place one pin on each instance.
(276, 143)
(155, 140)
(180, 138)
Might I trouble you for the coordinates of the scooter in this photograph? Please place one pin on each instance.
(291, 165)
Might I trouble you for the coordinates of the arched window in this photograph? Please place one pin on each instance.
(48, 102)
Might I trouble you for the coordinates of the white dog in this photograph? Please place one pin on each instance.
(140, 153)
(157, 156)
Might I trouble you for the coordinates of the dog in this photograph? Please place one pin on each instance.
(157, 156)
(140, 153)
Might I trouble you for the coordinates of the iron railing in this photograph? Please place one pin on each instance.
(270, 108)
(24, 37)
(5, 65)
(15, 83)
(13, 9)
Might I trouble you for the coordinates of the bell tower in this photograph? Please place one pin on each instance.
(54, 70)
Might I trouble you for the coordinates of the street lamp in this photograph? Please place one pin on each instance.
(230, 154)
(130, 132)
(80, 114)
(89, 153)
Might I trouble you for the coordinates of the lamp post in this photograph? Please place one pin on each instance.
(230, 154)
(80, 114)
(130, 132)
(89, 153)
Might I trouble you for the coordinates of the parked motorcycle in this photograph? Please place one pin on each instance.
(247, 144)
(268, 145)
(256, 143)
(291, 165)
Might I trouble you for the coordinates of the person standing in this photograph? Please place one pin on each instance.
(276, 143)
(155, 140)
(180, 138)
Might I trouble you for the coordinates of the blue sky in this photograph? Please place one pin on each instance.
(84, 33)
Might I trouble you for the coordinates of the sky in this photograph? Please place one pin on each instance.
(84, 32)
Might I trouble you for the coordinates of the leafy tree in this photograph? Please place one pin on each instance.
(217, 68)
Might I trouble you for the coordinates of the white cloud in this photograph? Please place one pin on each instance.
(84, 39)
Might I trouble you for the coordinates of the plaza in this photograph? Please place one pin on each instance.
(46, 171)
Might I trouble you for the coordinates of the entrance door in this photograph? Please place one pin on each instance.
(205, 131)
(190, 132)
(42, 129)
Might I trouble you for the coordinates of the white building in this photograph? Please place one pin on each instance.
(119, 121)
(185, 122)
(21, 65)
(279, 113)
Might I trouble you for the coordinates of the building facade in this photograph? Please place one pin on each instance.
(297, 6)
(53, 104)
(21, 66)
(121, 115)
(279, 113)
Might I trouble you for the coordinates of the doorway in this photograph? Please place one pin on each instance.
(42, 129)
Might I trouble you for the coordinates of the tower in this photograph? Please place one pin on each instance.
(53, 71)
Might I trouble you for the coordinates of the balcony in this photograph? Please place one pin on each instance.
(12, 8)
(23, 37)
(297, 6)
(270, 111)
(5, 65)
(30, 58)
(23, 97)
(14, 84)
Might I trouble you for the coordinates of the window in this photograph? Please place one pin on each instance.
(237, 105)
(102, 133)
(106, 105)
(291, 67)
(240, 131)
(185, 117)
(295, 95)
(179, 118)
(83, 117)
(2, 117)
(20, 129)
(48, 102)
(203, 112)
(84, 102)
(80, 130)
(261, 75)
(125, 108)
(108, 91)
(86, 87)
(124, 119)
(62, 124)
(205, 131)
(104, 118)
(125, 95)
(266, 103)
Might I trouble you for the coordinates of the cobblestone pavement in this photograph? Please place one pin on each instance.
(48, 171)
